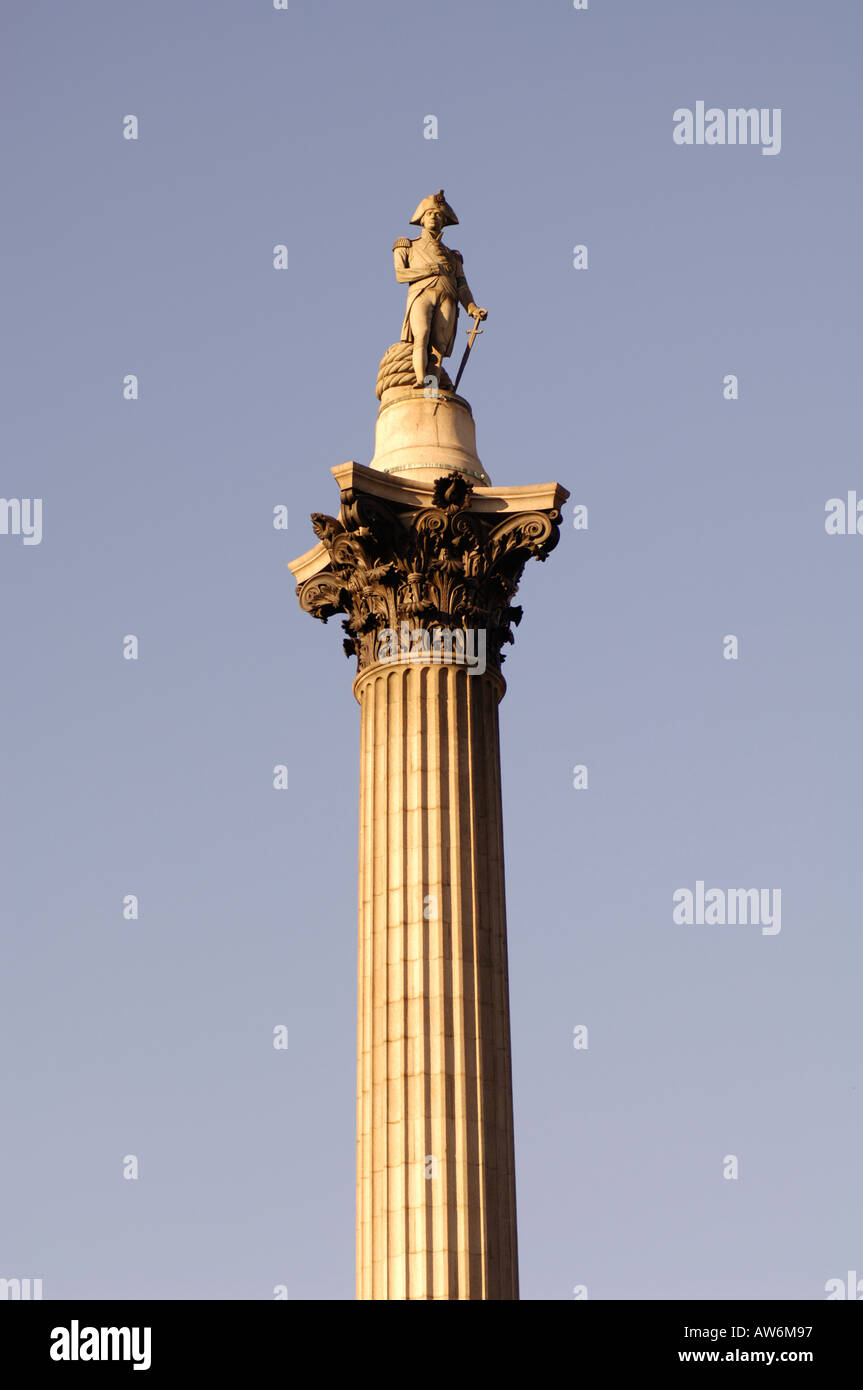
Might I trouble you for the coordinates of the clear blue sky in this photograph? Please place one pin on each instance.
(154, 777)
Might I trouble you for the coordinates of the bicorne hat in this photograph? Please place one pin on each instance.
(437, 200)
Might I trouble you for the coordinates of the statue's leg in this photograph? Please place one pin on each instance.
(421, 315)
(443, 328)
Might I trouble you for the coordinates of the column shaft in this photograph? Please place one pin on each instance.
(435, 1163)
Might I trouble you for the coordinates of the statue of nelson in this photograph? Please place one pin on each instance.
(437, 285)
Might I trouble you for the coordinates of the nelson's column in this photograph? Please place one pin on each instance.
(424, 560)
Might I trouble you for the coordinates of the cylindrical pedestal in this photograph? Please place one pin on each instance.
(435, 1156)
(426, 437)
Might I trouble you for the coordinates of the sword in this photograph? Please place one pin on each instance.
(472, 336)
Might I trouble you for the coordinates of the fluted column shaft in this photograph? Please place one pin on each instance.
(435, 1163)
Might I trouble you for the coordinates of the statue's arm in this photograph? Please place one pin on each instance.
(401, 261)
(406, 276)
(465, 298)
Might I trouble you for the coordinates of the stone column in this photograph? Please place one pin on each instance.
(435, 1162)
(418, 554)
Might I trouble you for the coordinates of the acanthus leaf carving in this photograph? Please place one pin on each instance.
(447, 565)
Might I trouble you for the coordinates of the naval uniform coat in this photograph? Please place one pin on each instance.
(430, 268)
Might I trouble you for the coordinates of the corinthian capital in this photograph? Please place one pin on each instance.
(445, 555)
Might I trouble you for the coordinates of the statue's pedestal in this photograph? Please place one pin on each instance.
(425, 437)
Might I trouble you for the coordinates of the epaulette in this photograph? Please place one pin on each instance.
(402, 243)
